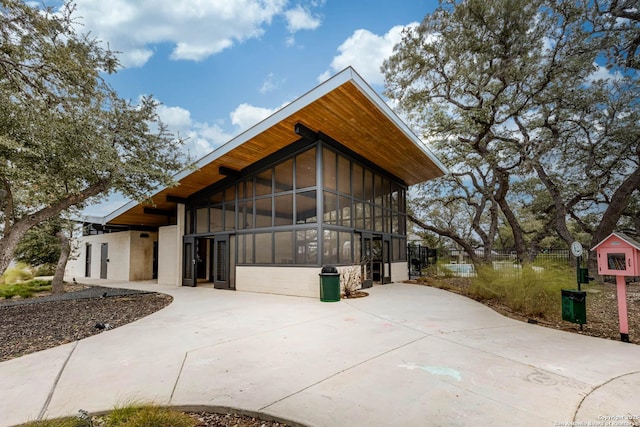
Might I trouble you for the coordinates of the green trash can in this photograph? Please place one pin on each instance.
(329, 284)
(574, 307)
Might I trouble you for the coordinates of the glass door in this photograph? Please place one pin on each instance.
(189, 261)
(221, 257)
(367, 260)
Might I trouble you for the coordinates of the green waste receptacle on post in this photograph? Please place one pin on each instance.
(574, 307)
(329, 284)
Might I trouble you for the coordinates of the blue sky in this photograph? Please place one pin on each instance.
(220, 66)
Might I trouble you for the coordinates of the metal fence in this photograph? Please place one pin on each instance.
(458, 263)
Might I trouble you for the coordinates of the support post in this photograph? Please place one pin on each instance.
(622, 308)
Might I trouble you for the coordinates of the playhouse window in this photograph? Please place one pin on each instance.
(617, 261)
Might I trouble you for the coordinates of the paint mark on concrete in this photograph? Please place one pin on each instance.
(434, 370)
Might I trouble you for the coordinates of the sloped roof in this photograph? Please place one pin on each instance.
(622, 237)
(344, 107)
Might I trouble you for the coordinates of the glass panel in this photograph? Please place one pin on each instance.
(263, 212)
(387, 221)
(357, 248)
(284, 176)
(245, 215)
(306, 169)
(221, 260)
(368, 223)
(395, 197)
(402, 203)
(330, 208)
(359, 215)
(345, 211)
(230, 194)
(358, 183)
(377, 189)
(396, 249)
(215, 219)
(245, 249)
(230, 217)
(283, 210)
(306, 207)
(368, 185)
(283, 247)
(329, 168)
(344, 175)
(202, 220)
(377, 224)
(402, 224)
(403, 250)
(395, 228)
(216, 197)
(248, 189)
(307, 247)
(329, 247)
(263, 183)
(345, 248)
(386, 193)
(263, 241)
(188, 261)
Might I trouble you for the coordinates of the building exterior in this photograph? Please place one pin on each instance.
(322, 181)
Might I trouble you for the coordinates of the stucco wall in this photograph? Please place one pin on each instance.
(168, 260)
(118, 255)
(399, 271)
(297, 281)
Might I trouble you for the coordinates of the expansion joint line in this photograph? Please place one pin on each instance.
(55, 382)
(575, 414)
(175, 385)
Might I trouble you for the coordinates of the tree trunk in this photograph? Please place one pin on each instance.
(13, 234)
(57, 284)
(611, 216)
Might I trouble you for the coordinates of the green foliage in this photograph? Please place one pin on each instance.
(58, 422)
(44, 270)
(24, 289)
(16, 274)
(66, 137)
(543, 144)
(39, 246)
(532, 291)
(132, 415)
(147, 416)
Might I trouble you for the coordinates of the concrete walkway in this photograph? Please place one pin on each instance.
(405, 355)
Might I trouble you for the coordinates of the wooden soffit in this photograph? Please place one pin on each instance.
(344, 108)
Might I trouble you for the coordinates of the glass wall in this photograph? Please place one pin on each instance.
(281, 216)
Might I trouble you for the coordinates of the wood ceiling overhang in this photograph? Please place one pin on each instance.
(344, 108)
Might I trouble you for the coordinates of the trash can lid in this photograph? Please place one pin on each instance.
(329, 269)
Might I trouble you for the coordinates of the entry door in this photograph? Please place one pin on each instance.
(154, 271)
(386, 260)
(367, 260)
(87, 261)
(104, 259)
(189, 261)
(221, 264)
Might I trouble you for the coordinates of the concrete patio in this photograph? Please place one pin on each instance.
(404, 355)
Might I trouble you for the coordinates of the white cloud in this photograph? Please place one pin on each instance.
(196, 29)
(299, 18)
(270, 84)
(365, 51)
(246, 115)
